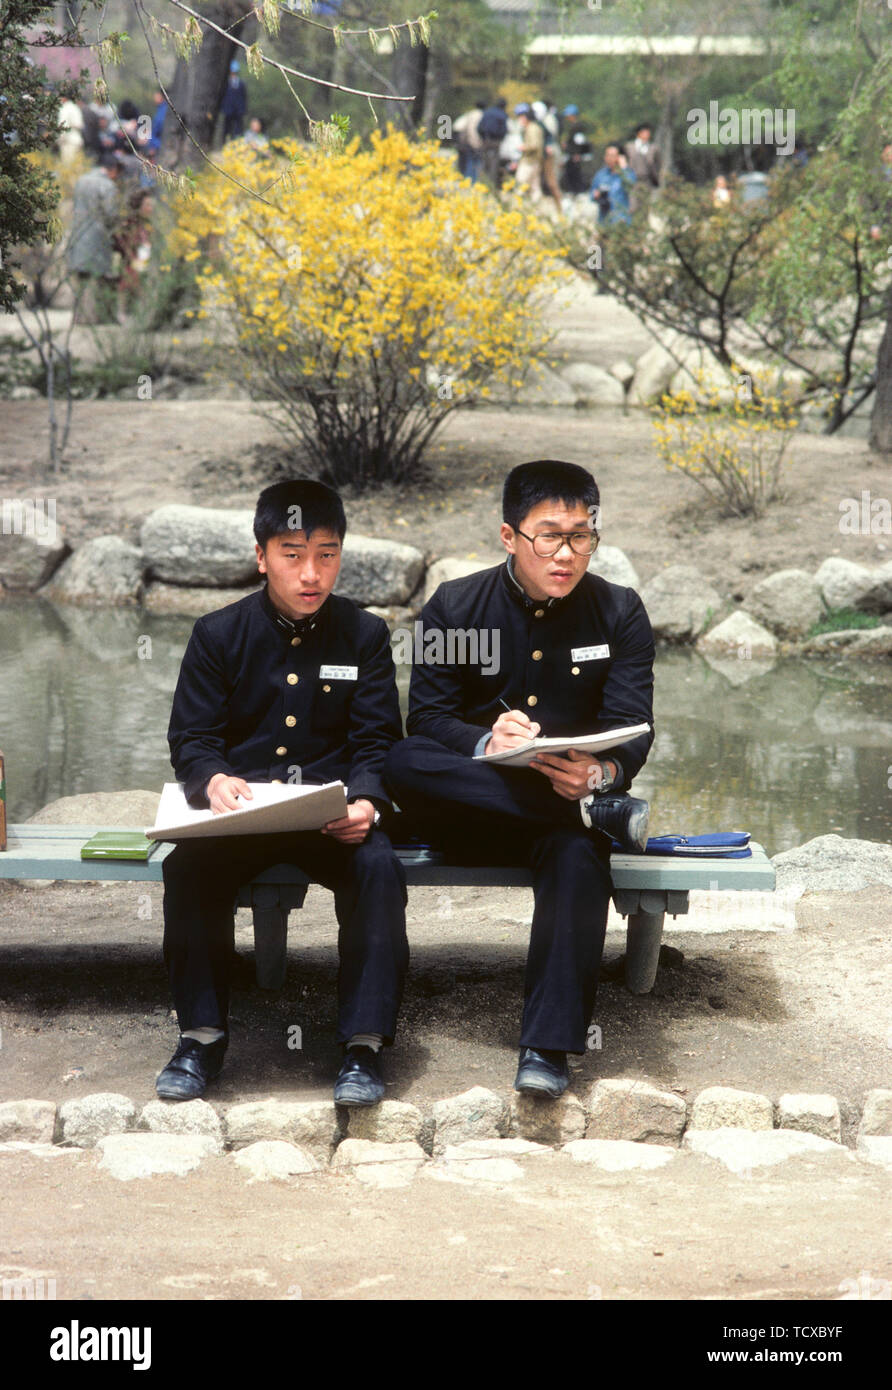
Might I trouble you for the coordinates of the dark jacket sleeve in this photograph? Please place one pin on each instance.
(627, 697)
(375, 723)
(199, 717)
(436, 694)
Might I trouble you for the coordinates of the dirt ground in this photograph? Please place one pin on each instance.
(803, 1009)
(84, 1009)
(127, 457)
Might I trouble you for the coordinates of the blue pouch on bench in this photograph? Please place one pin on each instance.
(721, 844)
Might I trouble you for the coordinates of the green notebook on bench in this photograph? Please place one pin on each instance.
(118, 844)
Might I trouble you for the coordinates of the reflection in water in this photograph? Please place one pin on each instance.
(790, 752)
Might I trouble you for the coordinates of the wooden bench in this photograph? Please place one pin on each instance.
(645, 888)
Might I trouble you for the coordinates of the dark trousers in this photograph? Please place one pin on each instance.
(486, 814)
(201, 878)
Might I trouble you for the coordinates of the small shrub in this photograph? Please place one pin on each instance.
(734, 452)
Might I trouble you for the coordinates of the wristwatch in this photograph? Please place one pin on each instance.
(609, 778)
(376, 820)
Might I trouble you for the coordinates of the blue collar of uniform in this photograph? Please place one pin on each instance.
(519, 593)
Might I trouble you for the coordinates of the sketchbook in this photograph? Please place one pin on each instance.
(276, 807)
(524, 753)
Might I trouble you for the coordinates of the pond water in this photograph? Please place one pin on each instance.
(789, 752)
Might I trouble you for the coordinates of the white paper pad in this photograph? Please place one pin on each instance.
(275, 808)
(524, 753)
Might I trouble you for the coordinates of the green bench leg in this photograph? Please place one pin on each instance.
(270, 946)
(644, 932)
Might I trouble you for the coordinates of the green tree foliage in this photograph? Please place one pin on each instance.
(29, 108)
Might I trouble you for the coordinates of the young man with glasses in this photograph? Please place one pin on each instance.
(576, 657)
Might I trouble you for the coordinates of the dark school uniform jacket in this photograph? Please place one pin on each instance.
(576, 664)
(258, 696)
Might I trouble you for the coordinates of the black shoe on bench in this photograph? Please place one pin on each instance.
(190, 1069)
(624, 818)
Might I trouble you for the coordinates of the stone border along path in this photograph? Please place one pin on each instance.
(475, 1136)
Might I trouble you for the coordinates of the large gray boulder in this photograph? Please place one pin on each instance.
(680, 603)
(31, 546)
(869, 642)
(614, 565)
(593, 385)
(450, 567)
(199, 545)
(190, 601)
(703, 377)
(878, 596)
(842, 583)
(738, 633)
(133, 809)
(788, 602)
(542, 386)
(835, 864)
(105, 570)
(378, 572)
(656, 367)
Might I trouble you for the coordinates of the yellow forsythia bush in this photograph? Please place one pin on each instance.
(372, 292)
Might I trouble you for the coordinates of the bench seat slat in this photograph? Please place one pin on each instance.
(53, 852)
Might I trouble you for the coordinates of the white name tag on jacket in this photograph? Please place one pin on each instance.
(338, 673)
(590, 653)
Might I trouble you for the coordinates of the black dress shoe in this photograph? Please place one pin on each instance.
(190, 1069)
(624, 818)
(359, 1080)
(542, 1073)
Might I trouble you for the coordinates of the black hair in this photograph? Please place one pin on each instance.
(501, 102)
(298, 504)
(128, 111)
(109, 159)
(546, 480)
(643, 125)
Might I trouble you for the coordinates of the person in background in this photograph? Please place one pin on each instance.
(611, 187)
(470, 144)
(575, 176)
(528, 172)
(133, 240)
(91, 245)
(147, 176)
(234, 104)
(721, 193)
(492, 129)
(128, 136)
(159, 116)
(644, 161)
(547, 118)
(71, 131)
(255, 137)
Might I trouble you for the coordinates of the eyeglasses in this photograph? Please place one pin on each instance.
(548, 543)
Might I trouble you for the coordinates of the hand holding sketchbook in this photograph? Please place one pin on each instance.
(275, 808)
(524, 753)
